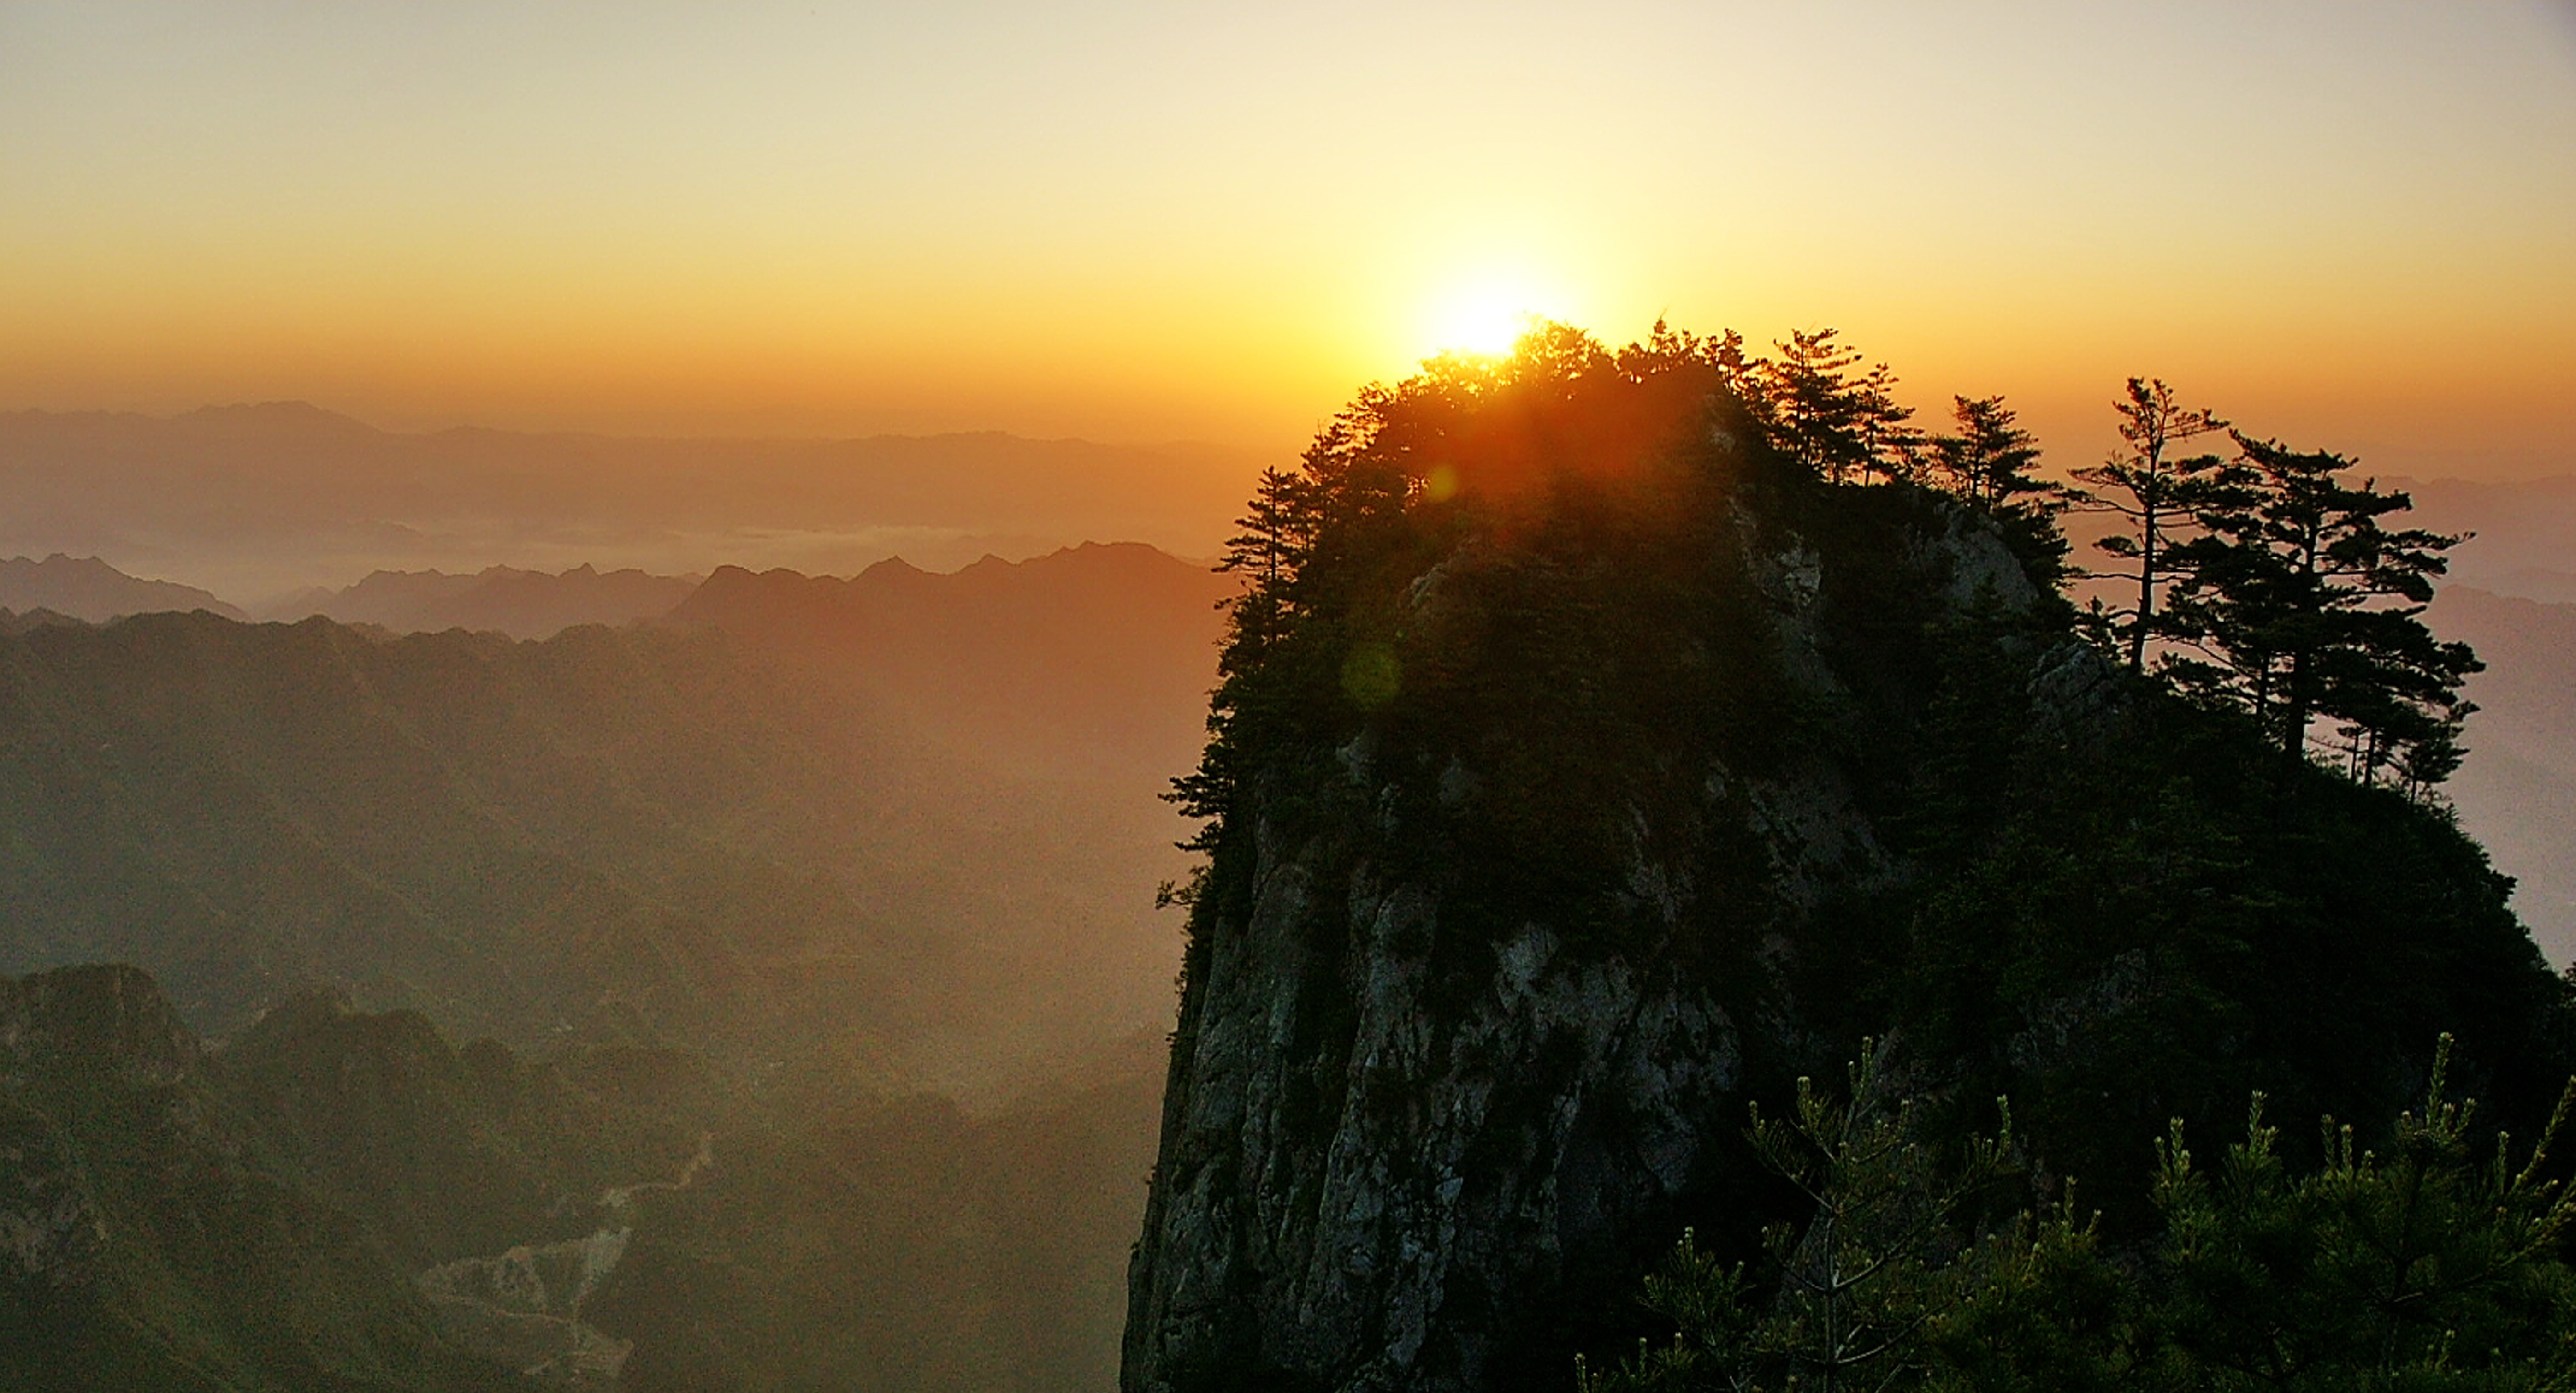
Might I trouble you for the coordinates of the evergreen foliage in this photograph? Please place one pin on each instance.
(2150, 492)
(2417, 1267)
(2296, 604)
(1989, 461)
(1829, 416)
(1862, 1286)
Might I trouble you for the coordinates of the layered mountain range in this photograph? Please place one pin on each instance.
(87, 588)
(803, 930)
(811, 972)
(259, 500)
(496, 599)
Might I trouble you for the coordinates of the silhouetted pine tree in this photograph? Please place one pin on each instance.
(1839, 423)
(2152, 493)
(2295, 604)
(1989, 461)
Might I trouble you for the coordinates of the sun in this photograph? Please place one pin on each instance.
(1484, 317)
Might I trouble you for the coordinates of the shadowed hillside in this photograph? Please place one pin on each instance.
(915, 830)
(345, 1201)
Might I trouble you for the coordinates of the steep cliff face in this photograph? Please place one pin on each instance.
(1414, 1113)
(1557, 816)
(1391, 1236)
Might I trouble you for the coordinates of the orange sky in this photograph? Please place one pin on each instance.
(2353, 225)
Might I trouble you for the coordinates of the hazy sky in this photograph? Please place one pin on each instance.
(2349, 224)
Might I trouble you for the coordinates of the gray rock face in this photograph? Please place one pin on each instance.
(1400, 1131)
(1479, 1144)
(50, 1233)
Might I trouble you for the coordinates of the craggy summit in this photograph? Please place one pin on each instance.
(1607, 739)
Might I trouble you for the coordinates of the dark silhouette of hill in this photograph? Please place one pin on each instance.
(1595, 760)
(498, 599)
(261, 500)
(88, 588)
(21, 621)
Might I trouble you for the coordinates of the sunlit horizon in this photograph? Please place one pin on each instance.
(2348, 225)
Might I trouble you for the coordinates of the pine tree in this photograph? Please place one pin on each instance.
(1837, 423)
(2295, 603)
(1277, 535)
(1861, 1284)
(2410, 1269)
(2415, 1269)
(1989, 461)
(2151, 492)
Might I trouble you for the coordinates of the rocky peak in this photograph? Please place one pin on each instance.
(1545, 834)
(110, 1018)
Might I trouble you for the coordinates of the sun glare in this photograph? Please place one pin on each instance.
(1484, 318)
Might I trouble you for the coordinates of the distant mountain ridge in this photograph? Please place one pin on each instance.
(2518, 532)
(498, 599)
(89, 588)
(1012, 655)
(814, 810)
(258, 500)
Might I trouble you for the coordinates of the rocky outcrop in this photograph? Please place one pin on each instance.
(260, 1216)
(106, 1024)
(1639, 817)
(50, 1231)
(1405, 1132)
(1481, 1151)
(522, 1309)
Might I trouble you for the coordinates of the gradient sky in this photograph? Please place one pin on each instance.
(2352, 225)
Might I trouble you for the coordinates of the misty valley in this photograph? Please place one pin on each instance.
(1611, 841)
(770, 996)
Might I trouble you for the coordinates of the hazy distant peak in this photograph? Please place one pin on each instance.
(499, 599)
(299, 417)
(86, 587)
(734, 596)
(264, 497)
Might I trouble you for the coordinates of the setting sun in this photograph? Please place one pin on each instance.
(1487, 315)
(1480, 325)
